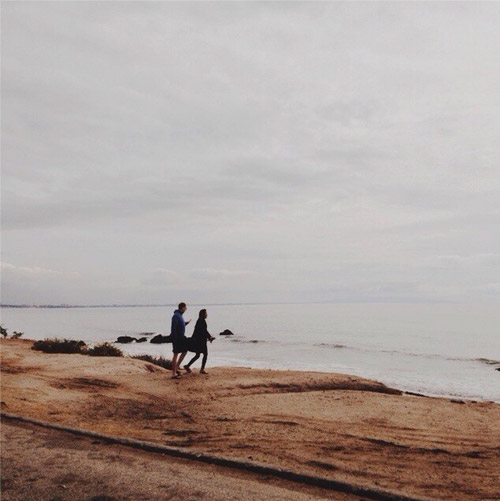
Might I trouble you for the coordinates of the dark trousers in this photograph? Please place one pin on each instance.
(197, 356)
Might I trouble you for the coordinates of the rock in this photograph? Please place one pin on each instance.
(142, 340)
(226, 332)
(125, 339)
(158, 339)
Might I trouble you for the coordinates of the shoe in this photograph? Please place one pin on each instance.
(178, 372)
(177, 376)
(187, 369)
(203, 371)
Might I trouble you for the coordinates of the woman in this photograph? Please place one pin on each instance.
(198, 342)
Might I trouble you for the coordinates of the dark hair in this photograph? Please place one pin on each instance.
(182, 305)
(202, 312)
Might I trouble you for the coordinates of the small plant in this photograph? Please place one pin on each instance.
(105, 350)
(59, 346)
(162, 362)
(17, 335)
(3, 331)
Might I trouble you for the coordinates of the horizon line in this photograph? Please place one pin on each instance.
(243, 303)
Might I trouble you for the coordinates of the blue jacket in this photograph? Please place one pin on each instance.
(178, 325)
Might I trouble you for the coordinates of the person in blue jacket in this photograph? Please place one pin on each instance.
(179, 341)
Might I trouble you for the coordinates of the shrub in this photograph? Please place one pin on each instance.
(17, 335)
(3, 331)
(59, 346)
(162, 362)
(105, 350)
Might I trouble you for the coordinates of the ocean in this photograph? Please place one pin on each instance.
(435, 349)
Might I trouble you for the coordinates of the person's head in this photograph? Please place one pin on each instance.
(182, 307)
(203, 314)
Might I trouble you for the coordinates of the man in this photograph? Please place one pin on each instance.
(179, 342)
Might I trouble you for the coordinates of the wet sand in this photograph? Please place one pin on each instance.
(330, 425)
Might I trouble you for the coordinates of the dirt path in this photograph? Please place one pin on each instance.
(41, 465)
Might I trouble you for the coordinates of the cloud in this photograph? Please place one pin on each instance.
(215, 275)
(28, 270)
(269, 149)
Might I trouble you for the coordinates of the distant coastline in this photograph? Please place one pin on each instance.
(83, 305)
(138, 305)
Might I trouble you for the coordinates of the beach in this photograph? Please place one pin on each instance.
(444, 350)
(327, 425)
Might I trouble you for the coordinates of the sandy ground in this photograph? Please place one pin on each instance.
(330, 425)
(64, 467)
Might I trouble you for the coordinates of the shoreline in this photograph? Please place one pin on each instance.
(257, 366)
(387, 346)
(337, 426)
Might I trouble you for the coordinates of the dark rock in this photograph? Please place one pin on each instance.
(158, 339)
(415, 394)
(125, 339)
(226, 332)
(142, 340)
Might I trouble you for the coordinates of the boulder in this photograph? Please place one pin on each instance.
(142, 340)
(125, 339)
(158, 339)
(226, 332)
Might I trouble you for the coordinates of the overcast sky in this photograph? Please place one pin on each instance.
(250, 152)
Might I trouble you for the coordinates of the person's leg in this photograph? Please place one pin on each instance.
(183, 354)
(196, 357)
(204, 361)
(174, 365)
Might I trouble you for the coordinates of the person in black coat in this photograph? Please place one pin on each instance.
(198, 342)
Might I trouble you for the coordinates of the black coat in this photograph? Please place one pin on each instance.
(198, 341)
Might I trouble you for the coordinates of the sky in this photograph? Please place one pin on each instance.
(217, 152)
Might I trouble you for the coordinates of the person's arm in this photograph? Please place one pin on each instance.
(207, 334)
(175, 324)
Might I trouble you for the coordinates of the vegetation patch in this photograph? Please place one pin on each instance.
(104, 350)
(162, 362)
(4, 333)
(73, 346)
(59, 346)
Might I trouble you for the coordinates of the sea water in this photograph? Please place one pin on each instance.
(435, 349)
